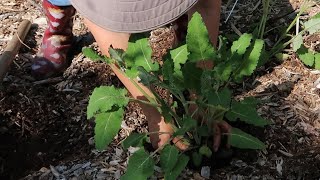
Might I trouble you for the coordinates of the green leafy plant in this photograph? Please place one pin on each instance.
(180, 74)
(309, 57)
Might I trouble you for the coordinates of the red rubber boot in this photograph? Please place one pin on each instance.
(57, 40)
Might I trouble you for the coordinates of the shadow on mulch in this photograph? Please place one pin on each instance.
(40, 126)
(43, 124)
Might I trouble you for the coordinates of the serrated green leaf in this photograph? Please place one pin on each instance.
(104, 98)
(222, 50)
(245, 113)
(147, 78)
(242, 140)
(317, 61)
(312, 25)
(167, 70)
(140, 167)
(220, 98)
(134, 140)
(173, 175)
(207, 82)
(192, 76)
(168, 158)
(223, 71)
(91, 54)
(187, 124)
(132, 73)
(164, 109)
(240, 46)
(250, 60)
(250, 101)
(306, 57)
(196, 159)
(179, 56)
(138, 54)
(297, 42)
(107, 126)
(206, 151)
(265, 57)
(198, 42)
(237, 51)
(117, 54)
(173, 81)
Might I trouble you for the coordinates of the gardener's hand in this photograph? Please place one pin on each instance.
(220, 128)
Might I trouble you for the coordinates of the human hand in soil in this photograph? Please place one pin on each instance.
(220, 128)
(156, 123)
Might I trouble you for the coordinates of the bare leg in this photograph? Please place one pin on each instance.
(156, 122)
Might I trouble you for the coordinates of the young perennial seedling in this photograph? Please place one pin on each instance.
(308, 57)
(179, 74)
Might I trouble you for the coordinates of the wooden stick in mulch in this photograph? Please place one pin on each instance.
(13, 47)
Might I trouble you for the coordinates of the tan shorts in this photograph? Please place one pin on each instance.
(132, 16)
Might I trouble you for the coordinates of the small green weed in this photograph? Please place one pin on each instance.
(308, 57)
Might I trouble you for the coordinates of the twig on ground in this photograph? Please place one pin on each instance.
(285, 153)
(13, 47)
(48, 81)
(236, 30)
(70, 90)
(22, 42)
(6, 15)
(15, 63)
(256, 6)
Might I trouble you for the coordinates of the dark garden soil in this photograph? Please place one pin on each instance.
(44, 133)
